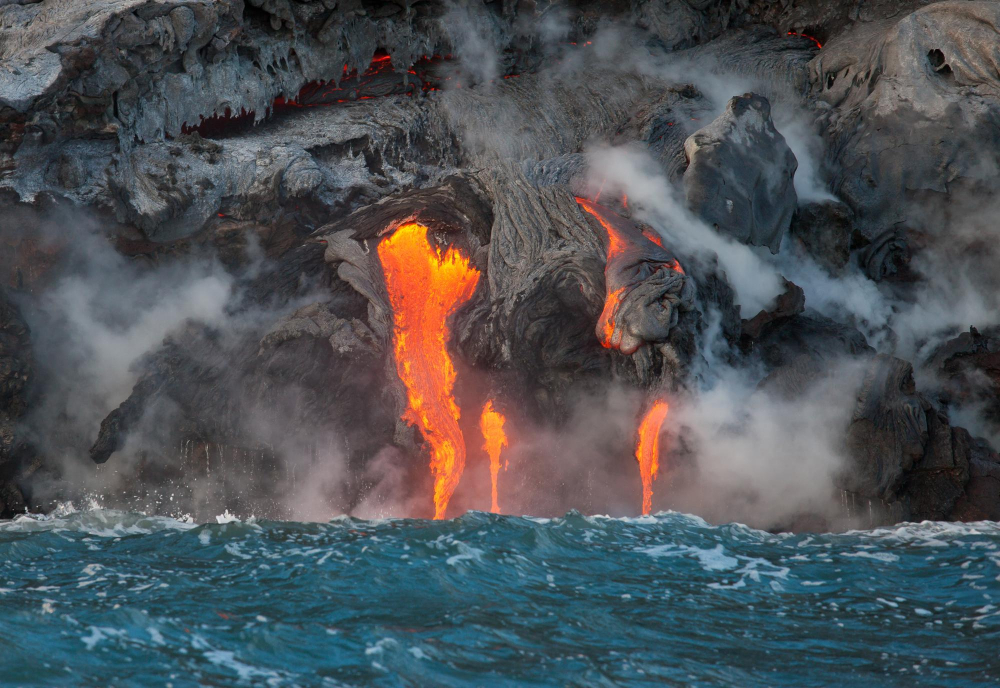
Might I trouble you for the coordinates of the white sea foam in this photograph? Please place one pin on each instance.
(714, 559)
(877, 556)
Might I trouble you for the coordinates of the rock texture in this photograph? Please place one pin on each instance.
(739, 176)
(894, 87)
(905, 451)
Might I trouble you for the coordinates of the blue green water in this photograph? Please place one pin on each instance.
(103, 598)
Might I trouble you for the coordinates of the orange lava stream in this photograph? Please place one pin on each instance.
(611, 303)
(425, 287)
(491, 423)
(615, 246)
(647, 450)
(653, 236)
(615, 241)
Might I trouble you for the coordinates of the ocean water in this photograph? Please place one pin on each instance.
(99, 598)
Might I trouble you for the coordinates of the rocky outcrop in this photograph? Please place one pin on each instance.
(790, 303)
(905, 451)
(894, 87)
(739, 175)
(967, 368)
(825, 230)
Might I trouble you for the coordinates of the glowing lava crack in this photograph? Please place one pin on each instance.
(647, 450)
(425, 287)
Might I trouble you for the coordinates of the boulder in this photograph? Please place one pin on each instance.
(913, 104)
(739, 175)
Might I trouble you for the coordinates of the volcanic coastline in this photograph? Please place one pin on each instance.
(294, 258)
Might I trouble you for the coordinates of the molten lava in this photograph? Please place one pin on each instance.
(425, 287)
(491, 423)
(617, 245)
(647, 450)
(808, 37)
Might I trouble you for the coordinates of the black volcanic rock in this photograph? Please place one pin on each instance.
(739, 175)
(914, 101)
(16, 372)
(261, 132)
(789, 303)
(906, 452)
(967, 370)
(981, 499)
(825, 228)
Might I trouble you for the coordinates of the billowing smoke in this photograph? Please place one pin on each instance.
(93, 325)
(764, 459)
(633, 172)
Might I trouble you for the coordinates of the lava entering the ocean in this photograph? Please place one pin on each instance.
(647, 450)
(495, 439)
(425, 287)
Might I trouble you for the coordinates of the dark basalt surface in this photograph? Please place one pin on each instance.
(182, 128)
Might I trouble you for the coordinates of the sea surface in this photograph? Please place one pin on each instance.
(106, 598)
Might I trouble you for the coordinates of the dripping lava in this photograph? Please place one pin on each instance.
(617, 245)
(495, 439)
(647, 450)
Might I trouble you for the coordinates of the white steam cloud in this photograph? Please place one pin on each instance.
(634, 172)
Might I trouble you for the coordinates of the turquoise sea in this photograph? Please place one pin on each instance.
(106, 598)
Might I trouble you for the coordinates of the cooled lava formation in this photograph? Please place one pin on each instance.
(645, 285)
(295, 258)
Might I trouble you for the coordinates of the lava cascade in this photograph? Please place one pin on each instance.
(495, 439)
(647, 450)
(425, 287)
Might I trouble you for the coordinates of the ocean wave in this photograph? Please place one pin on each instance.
(580, 599)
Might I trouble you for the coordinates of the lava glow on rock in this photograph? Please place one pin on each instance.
(647, 450)
(606, 323)
(495, 439)
(425, 287)
(617, 244)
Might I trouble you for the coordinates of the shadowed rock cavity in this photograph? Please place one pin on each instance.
(16, 373)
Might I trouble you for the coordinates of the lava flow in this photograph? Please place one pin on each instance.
(617, 245)
(491, 423)
(425, 287)
(647, 450)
